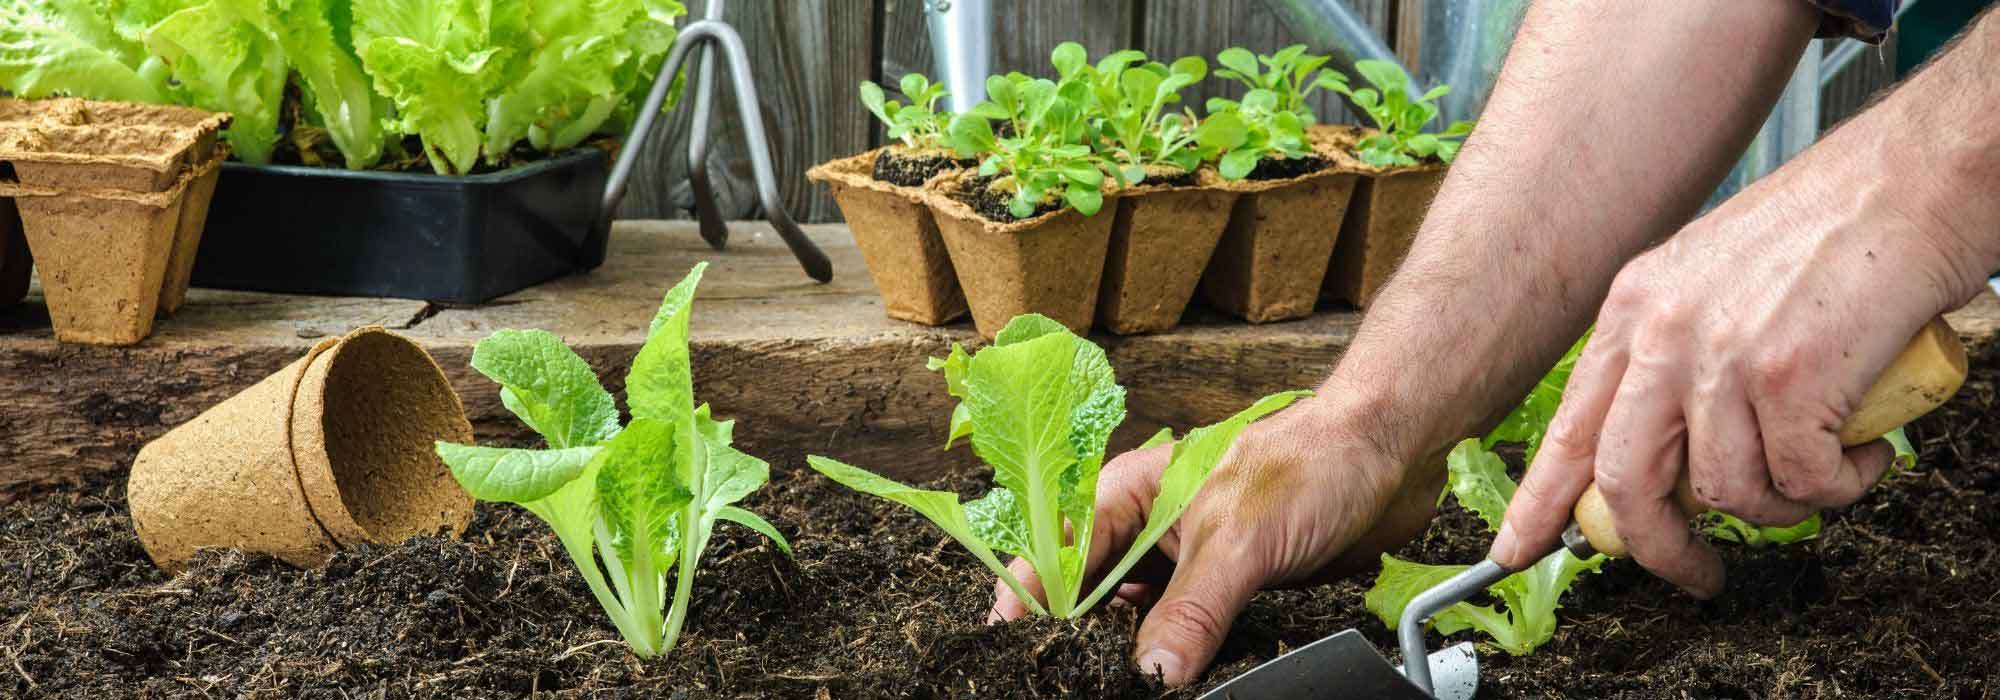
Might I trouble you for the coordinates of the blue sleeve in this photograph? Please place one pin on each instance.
(1867, 20)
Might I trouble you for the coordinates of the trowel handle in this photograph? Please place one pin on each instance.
(1928, 371)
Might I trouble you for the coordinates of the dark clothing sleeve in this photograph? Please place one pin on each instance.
(1867, 20)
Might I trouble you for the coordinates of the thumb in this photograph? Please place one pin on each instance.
(1182, 633)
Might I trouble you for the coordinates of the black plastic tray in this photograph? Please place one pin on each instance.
(463, 239)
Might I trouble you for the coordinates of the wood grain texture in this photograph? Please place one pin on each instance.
(1174, 28)
(806, 367)
(807, 57)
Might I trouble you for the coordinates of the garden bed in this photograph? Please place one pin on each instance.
(1892, 600)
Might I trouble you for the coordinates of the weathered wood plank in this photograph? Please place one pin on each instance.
(1174, 28)
(806, 367)
(807, 57)
(1024, 32)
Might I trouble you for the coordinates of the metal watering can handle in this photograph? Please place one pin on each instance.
(729, 44)
(1922, 377)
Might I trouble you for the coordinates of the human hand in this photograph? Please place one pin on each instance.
(1303, 496)
(1734, 353)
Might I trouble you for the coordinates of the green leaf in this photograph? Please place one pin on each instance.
(1086, 201)
(1529, 421)
(224, 64)
(1239, 60)
(548, 386)
(1195, 457)
(660, 384)
(1020, 329)
(1400, 582)
(998, 519)
(753, 521)
(941, 507)
(731, 474)
(1906, 453)
(1724, 526)
(1384, 75)
(638, 490)
(514, 475)
(872, 98)
(335, 89)
(50, 47)
(1479, 481)
(1237, 164)
(1068, 58)
(439, 61)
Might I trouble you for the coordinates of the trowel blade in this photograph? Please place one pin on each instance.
(1345, 665)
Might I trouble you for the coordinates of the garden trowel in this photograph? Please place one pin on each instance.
(1928, 371)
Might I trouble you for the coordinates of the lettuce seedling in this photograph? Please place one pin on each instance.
(1039, 405)
(1400, 118)
(1246, 132)
(1290, 75)
(918, 124)
(1130, 122)
(1479, 481)
(642, 500)
(1045, 152)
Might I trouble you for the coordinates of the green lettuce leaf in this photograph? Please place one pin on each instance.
(548, 386)
(223, 63)
(1529, 421)
(509, 475)
(67, 47)
(638, 489)
(317, 42)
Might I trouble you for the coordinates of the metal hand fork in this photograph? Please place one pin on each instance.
(700, 36)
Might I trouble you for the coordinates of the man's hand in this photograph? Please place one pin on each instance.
(1302, 497)
(1734, 352)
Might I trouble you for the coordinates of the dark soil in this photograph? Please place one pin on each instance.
(1170, 178)
(913, 169)
(977, 192)
(1286, 168)
(1896, 600)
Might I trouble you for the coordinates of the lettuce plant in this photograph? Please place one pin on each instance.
(1247, 132)
(1290, 75)
(1129, 97)
(1400, 118)
(1044, 152)
(642, 500)
(919, 124)
(470, 78)
(1039, 405)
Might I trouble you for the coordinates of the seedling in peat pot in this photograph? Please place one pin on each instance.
(1247, 132)
(1400, 118)
(1131, 124)
(643, 499)
(917, 124)
(1039, 405)
(1044, 155)
(1290, 75)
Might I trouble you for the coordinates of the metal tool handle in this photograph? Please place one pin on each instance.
(1921, 378)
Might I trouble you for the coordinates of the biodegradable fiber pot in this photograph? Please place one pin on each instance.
(187, 233)
(1050, 264)
(103, 254)
(899, 241)
(335, 450)
(1161, 241)
(1388, 207)
(72, 143)
(1273, 256)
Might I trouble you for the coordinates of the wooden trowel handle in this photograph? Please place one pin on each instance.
(1928, 371)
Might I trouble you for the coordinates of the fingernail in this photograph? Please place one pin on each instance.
(1163, 662)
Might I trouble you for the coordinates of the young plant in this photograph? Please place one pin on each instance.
(1130, 122)
(644, 499)
(918, 124)
(1039, 405)
(1045, 154)
(1248, 132)
(1400, 118)
(1290, 75)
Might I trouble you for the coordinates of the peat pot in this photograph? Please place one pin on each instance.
(1050, 264)
(1273, 256)
(898, 239)
(463, 239)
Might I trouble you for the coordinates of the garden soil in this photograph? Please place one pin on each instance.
(1894, 600)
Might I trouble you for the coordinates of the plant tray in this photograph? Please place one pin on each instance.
(459, 239)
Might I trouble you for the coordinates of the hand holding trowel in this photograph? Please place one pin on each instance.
(1927, 372)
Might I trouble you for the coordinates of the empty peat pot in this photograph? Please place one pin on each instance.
(335, 450)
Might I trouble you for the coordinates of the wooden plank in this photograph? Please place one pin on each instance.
(1174, 28)
(807, 57)
(1024, 32)
(806, 367)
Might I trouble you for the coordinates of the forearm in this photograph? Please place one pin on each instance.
(1608, 127)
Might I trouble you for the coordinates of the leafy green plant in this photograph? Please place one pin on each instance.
(1290, 75)
(1130, 122)
(1039, 406)
(918, 124)
(1044, 154)
(1247, 132)
(471, 78)
(643, 500)
(1400, 118)
(1479, 481)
